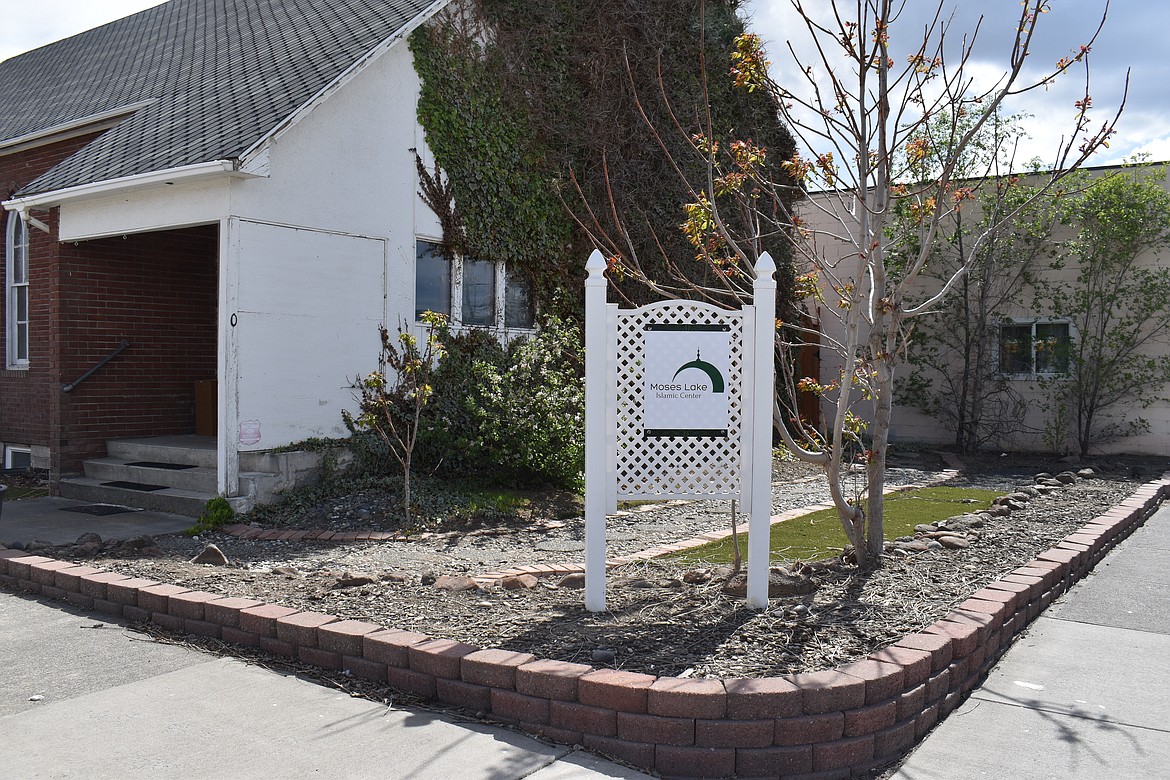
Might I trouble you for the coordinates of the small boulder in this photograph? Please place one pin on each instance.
(697, 576)
(456, 584)
(1086, 473)
(520, 582)
(575, 581)
(211, 555)
(1066, 477)
(736, 586)
(925, 528)
(427, 577)
(285, 571)
(637, 583)
(89, 538)
(778, 586)
(603, 655)
(956, 523)
(1043, 475)
(87, 550)
(395, 576)
(351, 579)
(953, 542)
(137, 544)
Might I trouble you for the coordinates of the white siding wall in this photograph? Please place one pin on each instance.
(308, 309)
(313, 257)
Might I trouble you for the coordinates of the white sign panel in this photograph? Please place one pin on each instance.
(685, 372)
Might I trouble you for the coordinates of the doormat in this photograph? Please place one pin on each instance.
(143, 486)
(153, 464)
(101, 510)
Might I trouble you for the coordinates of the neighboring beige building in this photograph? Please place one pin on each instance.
(1026, 344)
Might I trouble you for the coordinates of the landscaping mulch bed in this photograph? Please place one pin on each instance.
(663, 617)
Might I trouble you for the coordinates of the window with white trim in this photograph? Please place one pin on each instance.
(1035, 348)
(472, 292)
(16, 292)
(17, 458)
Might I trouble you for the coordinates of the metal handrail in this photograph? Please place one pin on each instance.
(118, 350)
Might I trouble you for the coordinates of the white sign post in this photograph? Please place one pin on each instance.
(678, 404)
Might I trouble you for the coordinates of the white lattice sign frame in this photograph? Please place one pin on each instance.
(667, 467)
(708, 435)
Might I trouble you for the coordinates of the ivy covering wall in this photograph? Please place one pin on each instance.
(519, 99)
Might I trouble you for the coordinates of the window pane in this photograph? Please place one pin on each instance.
(517, 302)
(432, 280)
(22, 342)
(1015, 349)
(19, 251)
(479, 292)
(1052, 347)
(21, 296)
(19, 459)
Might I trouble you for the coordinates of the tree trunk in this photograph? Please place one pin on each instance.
(876, 462)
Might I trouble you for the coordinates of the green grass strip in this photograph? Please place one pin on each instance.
(819, 534)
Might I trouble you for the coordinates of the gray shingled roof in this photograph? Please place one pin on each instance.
(222, 74)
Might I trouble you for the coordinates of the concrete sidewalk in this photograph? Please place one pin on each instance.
(1082, 694)
(44, 519)
(116, 704)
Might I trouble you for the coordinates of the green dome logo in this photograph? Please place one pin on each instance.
(710, 370)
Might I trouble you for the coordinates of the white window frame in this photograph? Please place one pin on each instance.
(1032, 322)
(456, 301)
(9, 450)
(12, 288)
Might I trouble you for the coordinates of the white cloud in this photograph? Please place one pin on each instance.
(30, 25)
(1132, 39)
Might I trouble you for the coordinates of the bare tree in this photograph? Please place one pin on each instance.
(862, 106)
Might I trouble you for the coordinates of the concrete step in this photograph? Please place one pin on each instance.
(187, 449)
(198, 479)
(174, 500)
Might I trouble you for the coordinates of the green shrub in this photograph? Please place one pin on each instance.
(215, 516)
(513, 414)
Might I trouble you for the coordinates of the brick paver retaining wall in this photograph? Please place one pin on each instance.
(828, 724)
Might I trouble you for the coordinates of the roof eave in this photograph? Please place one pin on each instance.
(72, 129)
(341, 80)
(184, 173)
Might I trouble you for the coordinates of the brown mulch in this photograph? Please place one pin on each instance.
(663, 617)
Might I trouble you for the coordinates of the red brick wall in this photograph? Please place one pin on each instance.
(159, 292)
(26, 414)
(25, 411)
(20, 168)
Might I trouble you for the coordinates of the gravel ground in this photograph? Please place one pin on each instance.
(663, 618)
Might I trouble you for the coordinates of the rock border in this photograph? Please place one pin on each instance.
(817, 725)
(251, 533)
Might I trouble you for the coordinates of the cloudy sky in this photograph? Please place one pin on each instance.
(1133, 38)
